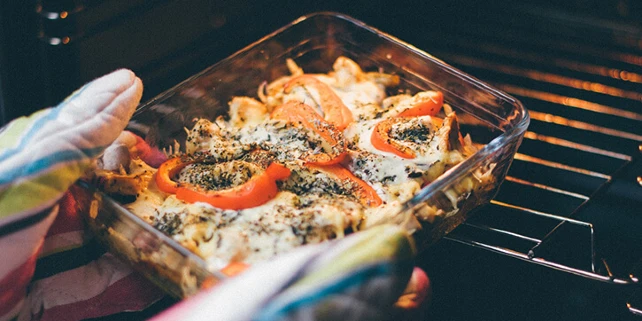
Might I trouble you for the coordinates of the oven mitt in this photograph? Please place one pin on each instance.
(356, 278)
(41, 156)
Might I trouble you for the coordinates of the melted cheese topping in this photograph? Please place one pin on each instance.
(311, 206)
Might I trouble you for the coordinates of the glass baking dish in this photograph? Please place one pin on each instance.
(495, 121)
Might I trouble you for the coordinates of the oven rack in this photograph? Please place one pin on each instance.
(593, 267)
(581, 80)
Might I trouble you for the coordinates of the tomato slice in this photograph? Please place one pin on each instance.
(382, 141)
(429, 103)
(366, 194)
(334, 110)
(297, 112)
(258, 190)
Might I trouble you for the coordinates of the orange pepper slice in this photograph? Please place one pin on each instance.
(334, 110)
(381, 140)
(428, 107)
(166, 171)
(297, 112)
(258, 190)
(380, 137)
(232, 269)
(366, 194)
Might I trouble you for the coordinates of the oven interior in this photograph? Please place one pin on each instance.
(570, 208)
(563, 237)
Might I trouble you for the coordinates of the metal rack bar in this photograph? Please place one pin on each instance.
(634, 303)
(552, 78)
(531, 159)
(545, 187)
(532, 256)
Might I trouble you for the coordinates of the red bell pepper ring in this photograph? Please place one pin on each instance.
(234, 268)
(230, 270)
(365, 193)
(166, 171)
(334, 110)
(429, 105)
(297, 112)
(258, 190)
(382, 141)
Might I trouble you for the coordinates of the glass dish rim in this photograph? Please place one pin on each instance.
(450, 176)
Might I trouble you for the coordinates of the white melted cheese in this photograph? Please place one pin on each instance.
(255, 234)
(362, 98)
(388, 163)
(288, 142)
(393, 177)
(318, 211)
(426, 154)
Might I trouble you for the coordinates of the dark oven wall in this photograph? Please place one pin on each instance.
(571, 200)
(49, 48)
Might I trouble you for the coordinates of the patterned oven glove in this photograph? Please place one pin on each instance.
(356, 278)
(41, 156)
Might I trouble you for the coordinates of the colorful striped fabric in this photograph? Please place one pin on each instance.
(76, 279)
(357, 278)
(41, 156)
(52, 269)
